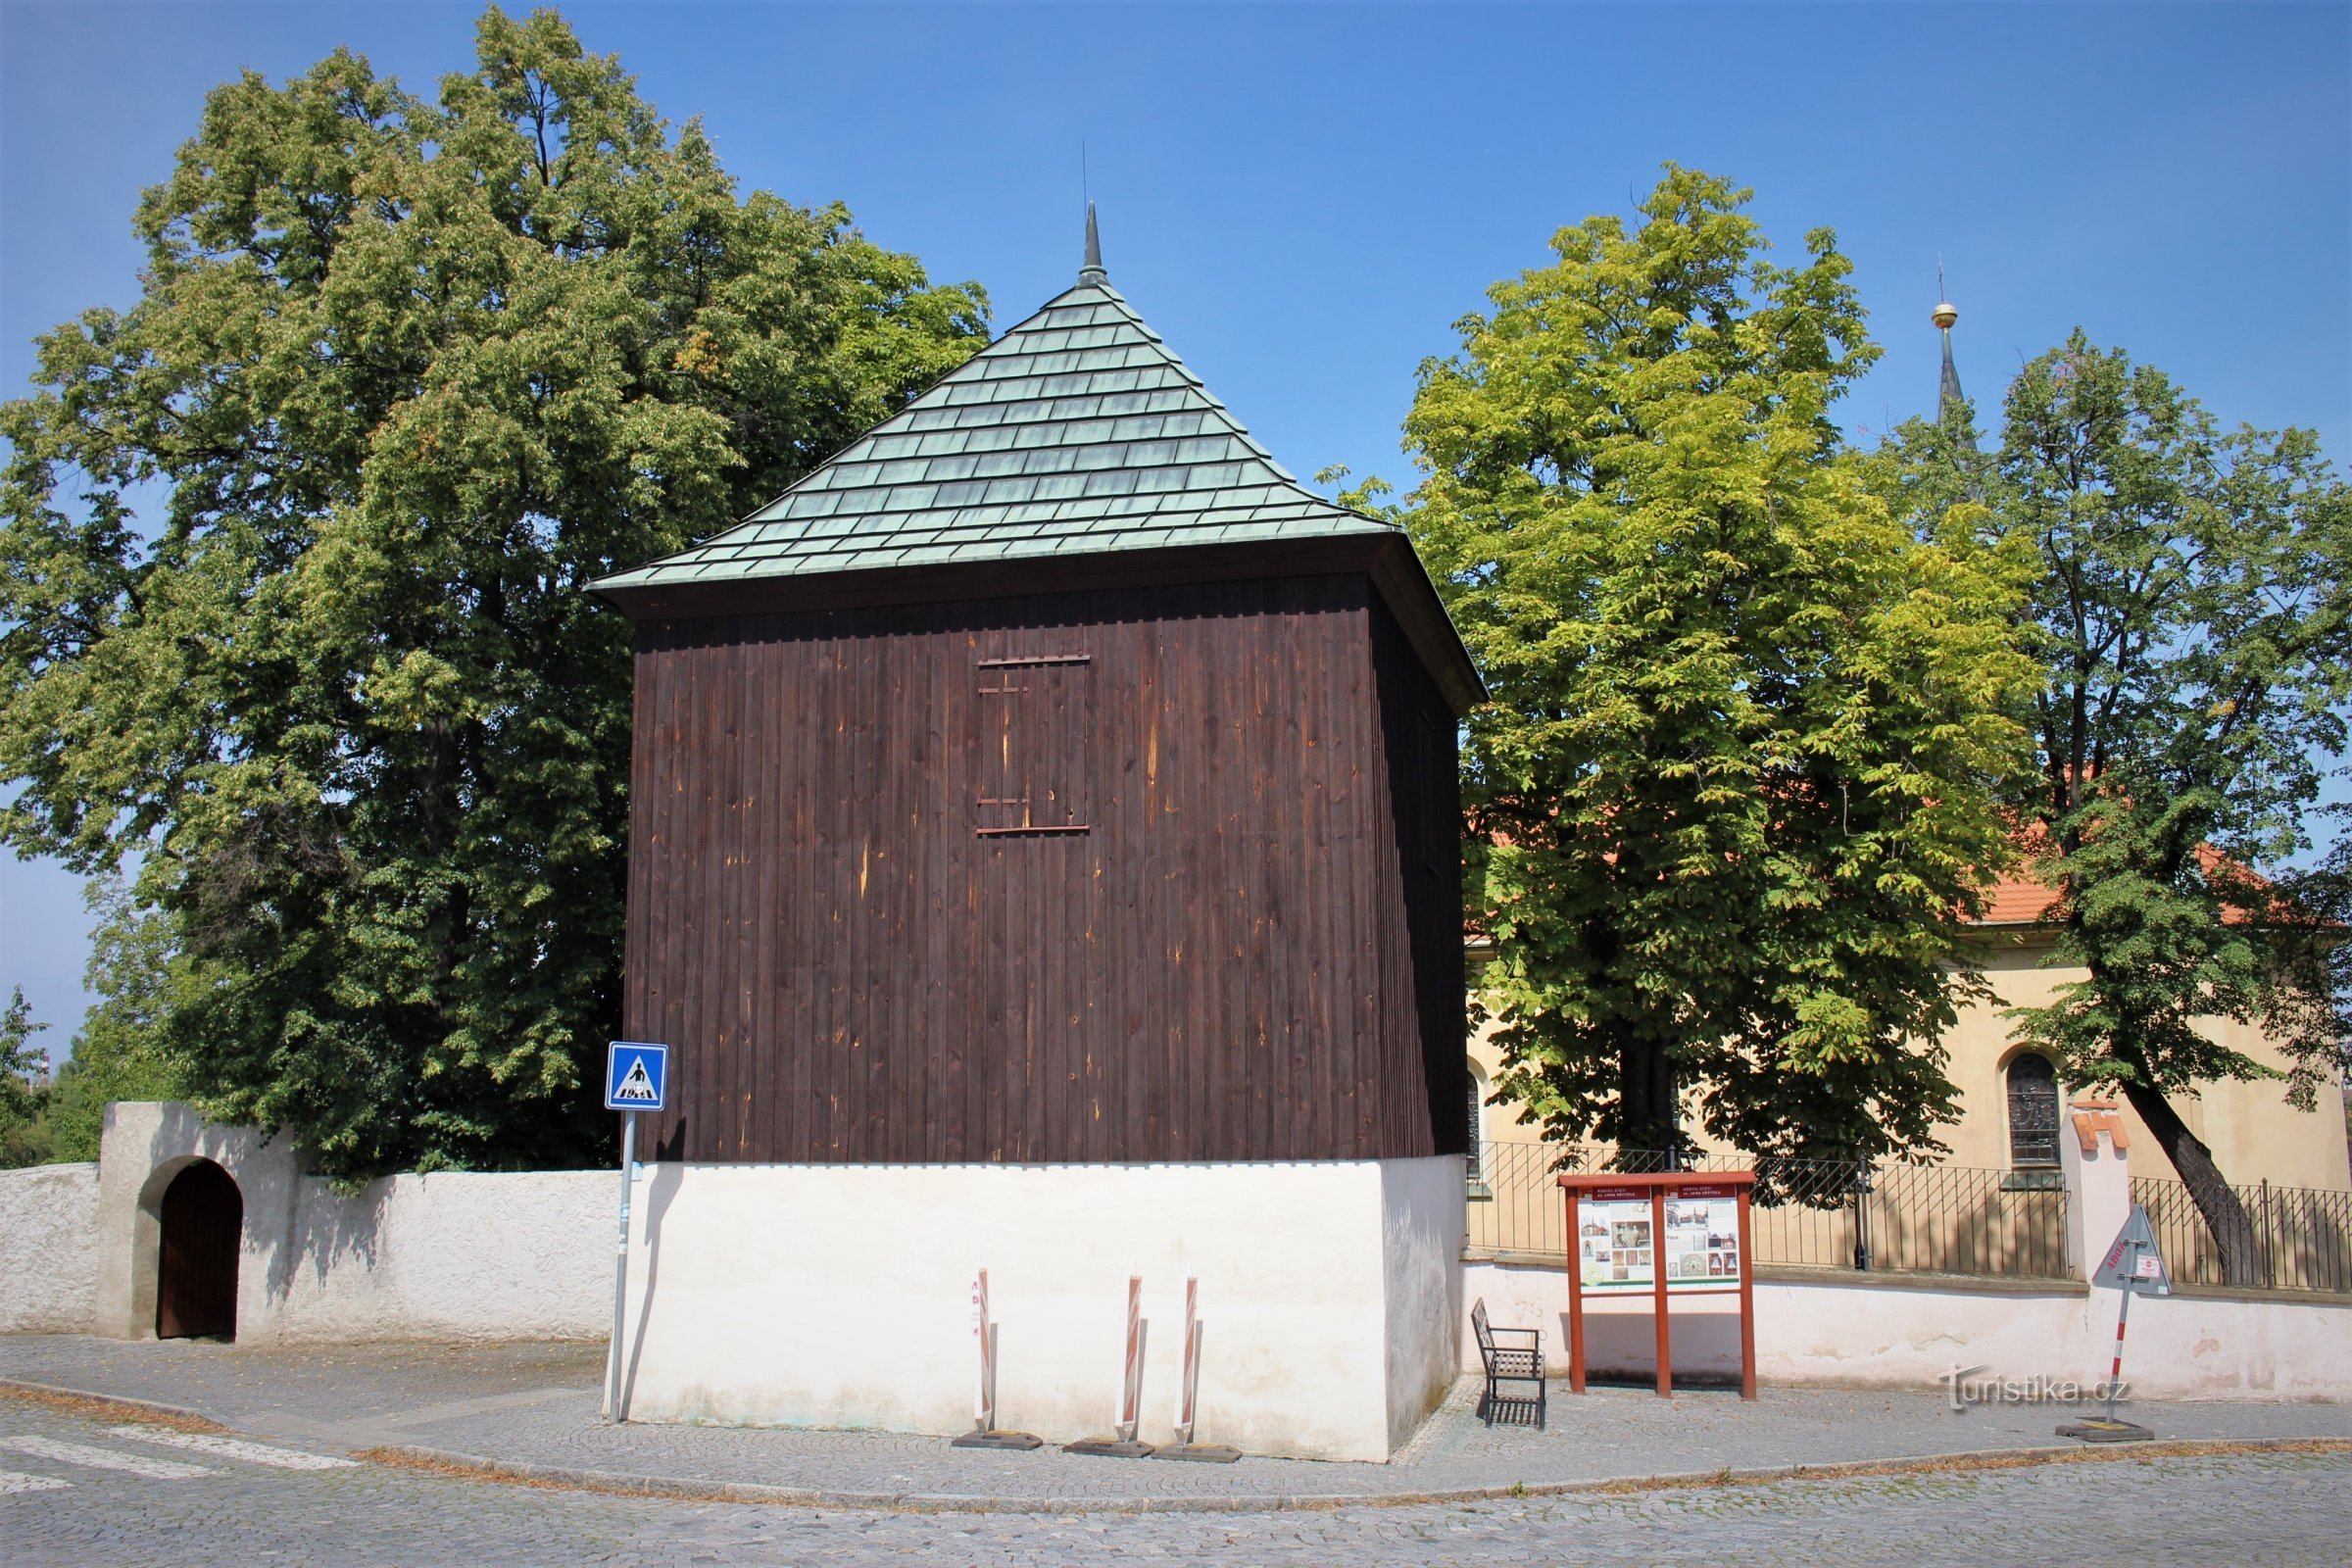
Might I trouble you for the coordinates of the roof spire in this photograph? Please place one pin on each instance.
(1948, 399)
(1091, 271)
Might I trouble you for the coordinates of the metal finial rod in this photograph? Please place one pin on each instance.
(1091, 271)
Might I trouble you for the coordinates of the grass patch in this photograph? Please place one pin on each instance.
(97, 1410)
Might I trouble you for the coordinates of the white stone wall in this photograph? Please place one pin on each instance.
(452, 1256)
(1899, 1332)
(840, 1295)
(1911, 1331)
(1333, 1306)
(49, 1249)
(1422, 1248)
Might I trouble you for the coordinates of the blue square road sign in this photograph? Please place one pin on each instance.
(636, 1076)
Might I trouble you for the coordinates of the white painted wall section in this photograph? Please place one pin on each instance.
(1423, 1228)
(1910, 1332)
(840, 1295)
(1333, 1301)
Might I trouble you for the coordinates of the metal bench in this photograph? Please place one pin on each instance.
(1514, 1362)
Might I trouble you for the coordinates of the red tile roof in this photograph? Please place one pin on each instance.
(2018, 900)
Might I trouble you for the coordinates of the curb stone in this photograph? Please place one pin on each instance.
(1292, 1503)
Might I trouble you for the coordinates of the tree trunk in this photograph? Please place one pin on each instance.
(2225, 1216)
(1647, 1114)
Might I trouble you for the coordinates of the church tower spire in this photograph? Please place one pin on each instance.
(1948, 398)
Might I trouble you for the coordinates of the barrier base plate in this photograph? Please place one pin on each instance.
(1201, 1453)
(1110, 1448)
(2100, 1430)
(1022, 1442)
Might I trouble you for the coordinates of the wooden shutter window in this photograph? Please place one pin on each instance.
(1034, 744)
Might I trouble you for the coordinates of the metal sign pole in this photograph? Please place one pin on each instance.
(2115, 1372)
(2132, 1265)
(620, 1265)
(636, 1078)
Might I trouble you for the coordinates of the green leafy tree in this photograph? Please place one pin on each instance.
(410, 374)
(2193, 609)
(1734, 796)
(2319, 899)
(121, 1052)
(24, 1084)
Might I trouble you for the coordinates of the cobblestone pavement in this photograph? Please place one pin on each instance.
(94, 1492)
(537, 1405)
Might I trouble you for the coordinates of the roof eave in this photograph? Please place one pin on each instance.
(1386, 557)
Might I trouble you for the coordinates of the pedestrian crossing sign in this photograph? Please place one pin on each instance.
(636, 1076)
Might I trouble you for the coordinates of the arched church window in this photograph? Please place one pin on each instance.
(2032, 1113)
(1474, 1165)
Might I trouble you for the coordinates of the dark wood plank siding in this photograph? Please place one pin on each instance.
(1422, 748)
(1253, 951)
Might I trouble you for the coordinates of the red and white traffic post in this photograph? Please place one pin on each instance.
(1131, 1387)
(1188, 1399)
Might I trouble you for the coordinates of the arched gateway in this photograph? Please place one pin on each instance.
(196, 1281)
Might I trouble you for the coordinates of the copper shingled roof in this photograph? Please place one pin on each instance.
(1077, 431)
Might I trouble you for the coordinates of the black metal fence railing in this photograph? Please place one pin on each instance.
(1943, 1219)
(2302, 1235)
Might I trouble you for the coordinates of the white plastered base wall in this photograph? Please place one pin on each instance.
(840, 1295)
(1919, 1331)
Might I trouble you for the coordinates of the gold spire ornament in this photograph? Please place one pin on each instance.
(1948, 399)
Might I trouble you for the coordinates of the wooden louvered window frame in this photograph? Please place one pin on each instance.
(1034, 745)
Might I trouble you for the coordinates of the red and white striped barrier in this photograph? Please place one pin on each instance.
(1189, 1397)
(1131, 1384)
(984, 1403)
(985, 1433)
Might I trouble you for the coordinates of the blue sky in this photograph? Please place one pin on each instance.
(1303, 198)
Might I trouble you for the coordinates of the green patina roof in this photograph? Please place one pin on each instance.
(1076, 432)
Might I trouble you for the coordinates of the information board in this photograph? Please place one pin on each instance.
(1613, 1240)
(1699, 1251)
(1659, 1236)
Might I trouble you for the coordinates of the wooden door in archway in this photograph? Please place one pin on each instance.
(204, 1224)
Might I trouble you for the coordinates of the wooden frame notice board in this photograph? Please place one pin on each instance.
(1661, 1235)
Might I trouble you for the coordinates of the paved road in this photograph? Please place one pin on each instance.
(91, 1492)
